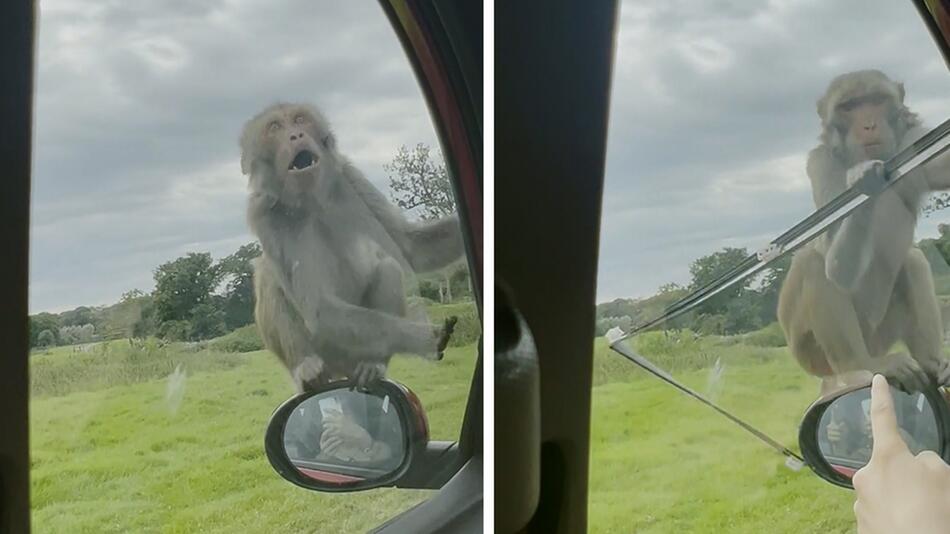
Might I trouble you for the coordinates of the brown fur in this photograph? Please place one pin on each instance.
(855, 291)
(329, 290)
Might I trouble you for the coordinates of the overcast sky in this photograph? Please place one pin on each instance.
(139, 106)
(713, 113)
(138, 111)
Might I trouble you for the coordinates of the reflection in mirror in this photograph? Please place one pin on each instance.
(844, 430)
(342, 436)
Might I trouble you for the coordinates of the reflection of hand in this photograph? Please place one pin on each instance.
(835, 432)
(341, 434)
(897, 491)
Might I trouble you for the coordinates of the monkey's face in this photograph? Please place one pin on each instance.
(295, 146)
(866, 122)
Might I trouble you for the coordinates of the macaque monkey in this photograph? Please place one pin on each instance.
(863, 286)
(330, 301)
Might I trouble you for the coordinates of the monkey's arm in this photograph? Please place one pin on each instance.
(427, 246)
(846, 246)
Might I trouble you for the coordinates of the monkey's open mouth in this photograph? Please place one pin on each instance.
(303, 160)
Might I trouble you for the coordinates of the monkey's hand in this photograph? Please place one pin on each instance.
(448, 327)
(366, 373)
(902, 371)
(939, 370)
(868, 175)
(309, 374)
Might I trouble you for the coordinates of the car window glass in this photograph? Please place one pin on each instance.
(151, 384)
(714, 112)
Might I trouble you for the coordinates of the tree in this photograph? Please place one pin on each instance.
(80, 316)
(45, 339)
(238, 271)
(43, 322)
(709, 268)
(207, 321)
(181, 286)
(935, 203)
(72, 335)
(771, 287)
(419, 183)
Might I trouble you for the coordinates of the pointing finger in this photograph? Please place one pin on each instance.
(887, 441)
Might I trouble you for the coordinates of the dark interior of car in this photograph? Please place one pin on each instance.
(550, 142)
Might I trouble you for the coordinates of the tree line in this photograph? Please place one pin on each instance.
(747, 306)
(197, 298)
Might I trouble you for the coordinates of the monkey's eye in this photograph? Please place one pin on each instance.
(877, 99)
(273, 126)
(300, 119)
(848, 105)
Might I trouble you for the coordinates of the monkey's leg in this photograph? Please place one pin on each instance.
(923, 329)
(837, 329)
(386, 294)
(284, 334)
(794, 315)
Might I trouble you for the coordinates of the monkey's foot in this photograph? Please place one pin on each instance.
(309, 374)
(939, 371)
(366, 373)
(447, 329)
(903, 372)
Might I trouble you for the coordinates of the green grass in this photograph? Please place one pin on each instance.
(109, 453)
(662, 462)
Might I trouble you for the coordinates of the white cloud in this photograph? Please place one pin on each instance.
(138, 110)
(713, 114)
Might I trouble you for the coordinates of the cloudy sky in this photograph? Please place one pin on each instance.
(713, 113)
(138, 111)
(139, 106)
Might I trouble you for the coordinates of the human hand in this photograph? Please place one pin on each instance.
(897, 491)
(835, 431)
(341, 434)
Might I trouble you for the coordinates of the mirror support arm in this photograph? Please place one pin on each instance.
(433, 467)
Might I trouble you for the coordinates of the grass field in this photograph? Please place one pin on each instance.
(111, 452)
(662, 462)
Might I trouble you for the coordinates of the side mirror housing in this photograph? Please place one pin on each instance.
(835, 434)
(336, 439)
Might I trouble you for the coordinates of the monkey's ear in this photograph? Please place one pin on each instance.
(821, 108)
(329, 141)
(900, 92)
(245, 163)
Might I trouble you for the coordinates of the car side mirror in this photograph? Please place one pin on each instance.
(835, 434)
(337, 439)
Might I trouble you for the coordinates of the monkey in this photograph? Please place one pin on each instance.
(329, 294)
(862, 286)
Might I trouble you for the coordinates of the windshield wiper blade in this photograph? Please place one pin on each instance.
(896, 168)
(793, 460)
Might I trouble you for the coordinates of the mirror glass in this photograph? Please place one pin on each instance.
(342, 436)
(844, 431)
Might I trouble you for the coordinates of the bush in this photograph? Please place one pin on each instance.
(770, 336)
(120, 362)
(46, 338)
(244, 339)
(604, 324)
(175, 330)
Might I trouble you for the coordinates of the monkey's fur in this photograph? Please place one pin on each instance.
(330, 301)
(855, 291)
